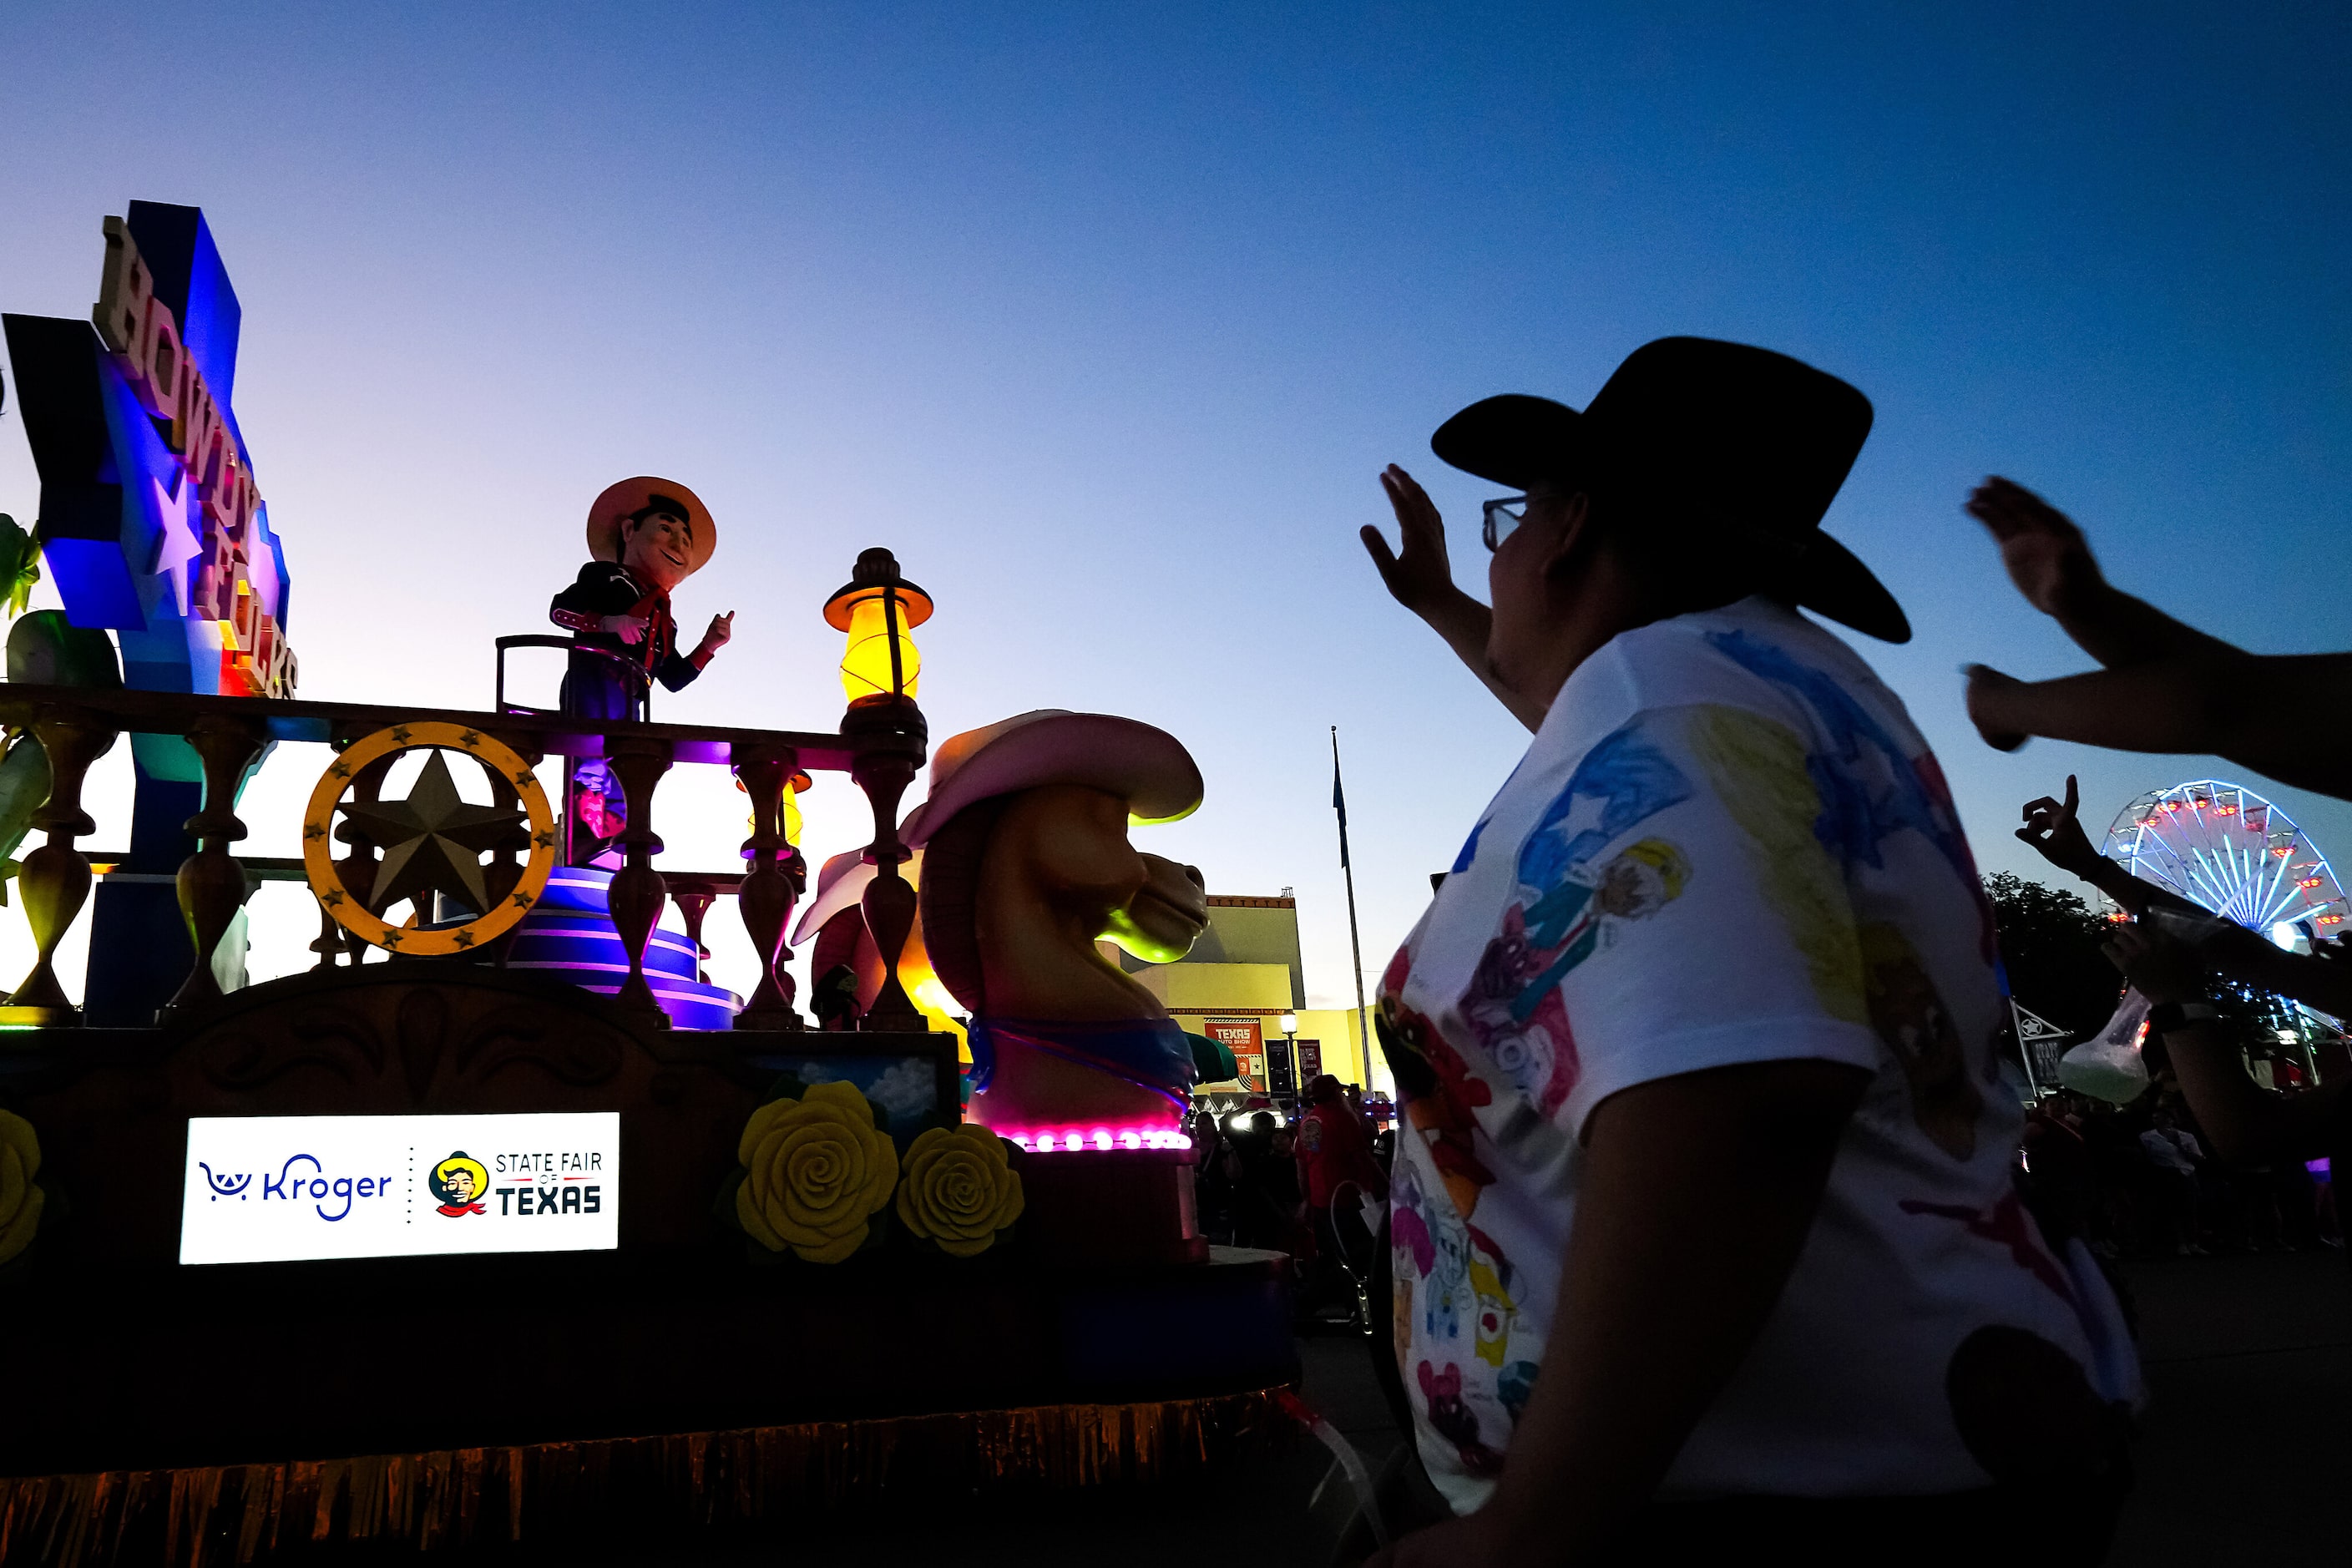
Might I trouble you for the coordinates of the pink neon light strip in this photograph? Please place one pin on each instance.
(1077, 1139)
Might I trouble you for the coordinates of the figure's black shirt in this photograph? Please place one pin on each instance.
(606, 588)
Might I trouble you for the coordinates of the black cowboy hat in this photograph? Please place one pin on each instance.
(1731, 445)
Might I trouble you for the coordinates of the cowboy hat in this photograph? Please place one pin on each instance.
(1147, 768)
(1719, 443)
(631, 497)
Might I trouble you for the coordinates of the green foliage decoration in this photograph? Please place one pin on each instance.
(20, 563)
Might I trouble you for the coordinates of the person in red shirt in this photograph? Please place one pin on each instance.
(1334, 1149)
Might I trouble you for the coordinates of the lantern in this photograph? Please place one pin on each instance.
(878, 609)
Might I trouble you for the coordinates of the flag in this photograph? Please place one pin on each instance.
(1340, 804)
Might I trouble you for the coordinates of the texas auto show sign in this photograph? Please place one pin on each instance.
(282, 1189)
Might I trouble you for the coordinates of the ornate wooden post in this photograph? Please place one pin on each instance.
(54, 879)
(890, 902)
(639, 892)
(212, 884)
(766, 897)
(357, 869)
(693, 906)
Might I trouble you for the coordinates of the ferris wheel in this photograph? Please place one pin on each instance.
(2224, 848)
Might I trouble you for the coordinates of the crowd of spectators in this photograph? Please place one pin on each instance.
(2142, 1181)
(1294, 1180)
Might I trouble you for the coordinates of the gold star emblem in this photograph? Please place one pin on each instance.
(544, 840)
(400, 733)
(522, 900)
(334, 898)
(466, 938)
(469, 738)
(341, 770)
(526, 777)
(393, 938)
(312, 830)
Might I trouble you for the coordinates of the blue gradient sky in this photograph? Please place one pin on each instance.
(1105, 322)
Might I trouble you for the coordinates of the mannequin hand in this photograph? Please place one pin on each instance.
(2057, 834)
(630, 629)
(2046, 554)
(1421, 576)
(722, 630)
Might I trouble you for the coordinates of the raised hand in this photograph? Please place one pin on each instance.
(2045, 553)
(1987, 687)
(722, 631)
(2056, 834)
(1419, 576)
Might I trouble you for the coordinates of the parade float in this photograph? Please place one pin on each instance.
(503, 1220)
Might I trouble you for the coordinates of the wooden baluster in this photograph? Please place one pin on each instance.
(54, 881)
(692, 906)
(501, 876)
(766, 897)
(212, 884)
(639, 892)
(357, 869)
(328, 943)
(890, 902)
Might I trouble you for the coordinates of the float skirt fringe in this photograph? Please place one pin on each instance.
(452, 1497)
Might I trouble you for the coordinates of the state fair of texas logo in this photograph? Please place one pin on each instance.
(458, 1182)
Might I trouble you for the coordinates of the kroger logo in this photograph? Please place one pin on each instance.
(302, 1179)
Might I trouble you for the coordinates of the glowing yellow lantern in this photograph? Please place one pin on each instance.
(878, 609)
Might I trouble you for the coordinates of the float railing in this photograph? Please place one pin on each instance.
(881, 745)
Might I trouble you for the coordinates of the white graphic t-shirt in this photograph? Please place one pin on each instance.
(1728, 844)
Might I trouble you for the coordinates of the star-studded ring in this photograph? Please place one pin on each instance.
(431, 842)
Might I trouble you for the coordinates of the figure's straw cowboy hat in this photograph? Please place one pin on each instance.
(630, 497)
(1719, 445)
(1146, 767)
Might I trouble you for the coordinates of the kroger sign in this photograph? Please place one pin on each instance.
(279, 1189)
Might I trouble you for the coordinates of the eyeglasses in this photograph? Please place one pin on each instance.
(1503, 518)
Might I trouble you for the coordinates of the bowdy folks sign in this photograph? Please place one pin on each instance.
(279, 1189)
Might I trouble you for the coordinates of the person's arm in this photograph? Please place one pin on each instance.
(2053, 566)
(2254, 712)
(1697, 1194)
(2321, 978)
(1421, 578)
(2248, 1125)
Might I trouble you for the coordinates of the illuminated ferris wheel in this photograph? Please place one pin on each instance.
(2224, 848)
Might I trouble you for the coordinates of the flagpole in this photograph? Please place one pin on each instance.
(1355, 943)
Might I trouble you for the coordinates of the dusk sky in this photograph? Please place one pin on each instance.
(1105, 320)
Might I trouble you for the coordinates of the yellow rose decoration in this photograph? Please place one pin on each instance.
(960, 1190)
(20, 1200)
(819, 1169)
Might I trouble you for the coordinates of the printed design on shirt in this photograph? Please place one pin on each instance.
(1469, 848)
(2010, 1225)
(1513, 1387)
(1869, 788)
(2026, 1410)
(1911, 1017)
(1758, 770)
(1622, 781)
(1444, 1413)
(1514, 1007)
(1437, 1088)
(1490, 1275)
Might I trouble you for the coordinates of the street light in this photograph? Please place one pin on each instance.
(1289, 1023)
